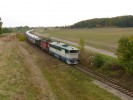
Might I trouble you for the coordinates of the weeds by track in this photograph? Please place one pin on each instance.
(106, 80)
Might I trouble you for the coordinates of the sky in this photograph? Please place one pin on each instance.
(47, 13)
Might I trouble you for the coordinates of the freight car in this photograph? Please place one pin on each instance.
(62, 51)
(44, 44)
(33, 38)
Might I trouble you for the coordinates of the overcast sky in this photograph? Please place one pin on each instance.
(59, 12)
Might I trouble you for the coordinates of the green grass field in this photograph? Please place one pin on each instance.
(102, 38)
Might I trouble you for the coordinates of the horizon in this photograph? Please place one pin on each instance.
(48, 13)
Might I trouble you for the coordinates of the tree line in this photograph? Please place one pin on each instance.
(120, 21)
(21, 29)
(0, 26)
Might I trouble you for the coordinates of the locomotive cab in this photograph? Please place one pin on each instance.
(73, 56)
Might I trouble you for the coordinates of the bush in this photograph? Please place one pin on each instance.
(85, 58)
(81, 44)
(97, 60)
(125, 52)
(20, 36)
(112, 65)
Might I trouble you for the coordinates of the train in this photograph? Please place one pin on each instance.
(64, 52)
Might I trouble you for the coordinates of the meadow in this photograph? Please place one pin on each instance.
(14, 75)
(101, 38)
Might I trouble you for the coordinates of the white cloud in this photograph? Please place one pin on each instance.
(59, 12)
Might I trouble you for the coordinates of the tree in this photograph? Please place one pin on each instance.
(125, 52)
(6, 30)
(0, 26)
(81, 44)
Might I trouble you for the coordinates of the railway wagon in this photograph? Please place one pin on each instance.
(44, 44)
(33, 38)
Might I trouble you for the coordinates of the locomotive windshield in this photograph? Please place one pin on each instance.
(74, 51)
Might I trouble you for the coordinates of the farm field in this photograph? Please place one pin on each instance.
(101, 38)
(30, 74)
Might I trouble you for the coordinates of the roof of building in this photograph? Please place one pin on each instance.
(64, 46)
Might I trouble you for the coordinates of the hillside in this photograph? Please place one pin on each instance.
(120, 21)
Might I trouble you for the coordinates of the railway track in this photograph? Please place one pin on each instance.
(106, 80)
(99, 77)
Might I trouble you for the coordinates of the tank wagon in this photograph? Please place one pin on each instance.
(62, 51)
(33, 38)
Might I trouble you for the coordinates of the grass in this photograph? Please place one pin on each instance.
(73, 85)
(103, 38)
(66, 82)
(8, 79)
(4, 34)
(14, 75)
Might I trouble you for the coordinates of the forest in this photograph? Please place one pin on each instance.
(120, 21)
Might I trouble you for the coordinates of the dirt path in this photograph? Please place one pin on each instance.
(37, 77)
(87, 47)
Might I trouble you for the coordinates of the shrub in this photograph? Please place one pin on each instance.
(0, 26)
(85, 58)
(97, 60)
(81, 44)
(112, 65)
(20, 36)
(125, 52)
